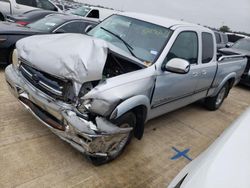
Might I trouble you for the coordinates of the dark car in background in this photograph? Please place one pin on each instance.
(241, 47)
(29, 17)
(10, 33)
(234, 37)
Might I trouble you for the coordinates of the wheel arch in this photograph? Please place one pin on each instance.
(228, 79)
(140, 106)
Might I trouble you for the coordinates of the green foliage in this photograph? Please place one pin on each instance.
(224, 28)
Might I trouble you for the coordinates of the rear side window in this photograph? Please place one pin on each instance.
(218, 39)
(207, 47)
(185, 47)
(74, 27)
(225, 38)
(94, 14)
(45, 4)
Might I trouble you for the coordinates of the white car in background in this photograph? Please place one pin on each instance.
(93, 12)
(225, 164)
(16, 7)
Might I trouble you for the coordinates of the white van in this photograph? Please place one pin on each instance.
(93, 12)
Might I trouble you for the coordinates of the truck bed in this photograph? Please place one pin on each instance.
(229, 66)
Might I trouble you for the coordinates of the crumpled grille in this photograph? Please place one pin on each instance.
(51, 85)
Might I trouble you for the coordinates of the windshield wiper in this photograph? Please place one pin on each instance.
(130, 48)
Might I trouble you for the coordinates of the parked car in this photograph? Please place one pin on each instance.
(224, 164)
(29, 17)
(242, 47)
(92, 12)
(234, 37)
(221, 39)
(95, 91)
(10, 33)
(66, 5)
(16, 7)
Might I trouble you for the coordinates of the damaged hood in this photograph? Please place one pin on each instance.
(76, 57)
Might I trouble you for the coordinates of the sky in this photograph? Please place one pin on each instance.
(213, 13)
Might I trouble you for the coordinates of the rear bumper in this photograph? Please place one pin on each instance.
(63, 119)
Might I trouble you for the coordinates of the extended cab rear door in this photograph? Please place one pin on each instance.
(207, 66)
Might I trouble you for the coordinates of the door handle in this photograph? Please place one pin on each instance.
(203, 72)
(195, 74)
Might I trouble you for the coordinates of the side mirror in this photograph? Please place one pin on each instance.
(88, 28)
(177, 65)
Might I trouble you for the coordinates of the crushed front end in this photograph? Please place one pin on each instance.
(49, 100)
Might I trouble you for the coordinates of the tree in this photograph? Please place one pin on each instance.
(224, 28)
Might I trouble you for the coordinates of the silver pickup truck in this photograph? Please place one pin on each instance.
(96, 91)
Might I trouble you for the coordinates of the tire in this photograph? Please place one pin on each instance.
(214, 103)
(127, 119)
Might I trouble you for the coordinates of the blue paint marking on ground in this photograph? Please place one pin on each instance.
(181, 154)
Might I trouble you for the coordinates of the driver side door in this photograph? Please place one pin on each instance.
(172, 90)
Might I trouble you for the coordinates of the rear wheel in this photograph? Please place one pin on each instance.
(214, 103)
(125, 121)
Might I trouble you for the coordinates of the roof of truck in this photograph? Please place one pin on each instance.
(162, 21)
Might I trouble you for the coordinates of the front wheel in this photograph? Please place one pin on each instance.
(214, 103)
(125, 121)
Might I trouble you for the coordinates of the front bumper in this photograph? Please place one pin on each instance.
(63, 119)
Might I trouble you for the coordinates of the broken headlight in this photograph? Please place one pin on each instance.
(97, 106)
(84, 106)
(15, 59)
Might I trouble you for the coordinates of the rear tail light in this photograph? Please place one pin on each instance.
(22, 23)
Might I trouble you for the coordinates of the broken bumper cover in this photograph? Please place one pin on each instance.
(64, 120)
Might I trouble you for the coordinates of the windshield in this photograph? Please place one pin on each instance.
(242, 44)
(81, 11)
(47, 24)
(146, 40)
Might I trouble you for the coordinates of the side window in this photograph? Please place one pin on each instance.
(94, 14)
(207, 47)
(225, 38)
(74, 27)
(46, 5)
(218, 39)
(185, 47)
(31, 3)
